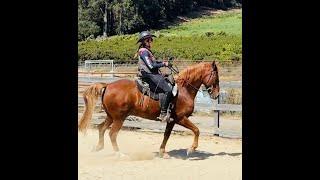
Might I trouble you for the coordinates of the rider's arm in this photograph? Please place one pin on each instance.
(149, 62)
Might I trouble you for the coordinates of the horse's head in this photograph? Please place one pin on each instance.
(211, 80)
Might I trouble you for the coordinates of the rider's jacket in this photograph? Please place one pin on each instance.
(147, 62)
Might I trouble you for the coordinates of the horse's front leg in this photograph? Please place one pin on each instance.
(185, 122)
(167, 133)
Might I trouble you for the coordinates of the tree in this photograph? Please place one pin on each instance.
(111, 17)
(89, 19)
(86, 29)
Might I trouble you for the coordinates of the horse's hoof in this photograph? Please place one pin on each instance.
(121, 155)
(190, 151)
(166, 156)
(98, 148)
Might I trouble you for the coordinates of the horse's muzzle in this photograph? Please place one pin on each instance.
(215, 97)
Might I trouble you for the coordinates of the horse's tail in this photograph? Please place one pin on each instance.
(90, 97)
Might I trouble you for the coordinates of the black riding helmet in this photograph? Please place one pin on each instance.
(144, 35)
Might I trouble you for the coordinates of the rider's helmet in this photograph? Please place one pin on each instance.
(144, 35)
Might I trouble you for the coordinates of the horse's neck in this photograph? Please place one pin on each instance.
(192, 87)
(192, 84)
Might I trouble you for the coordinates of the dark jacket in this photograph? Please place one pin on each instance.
(147, 62)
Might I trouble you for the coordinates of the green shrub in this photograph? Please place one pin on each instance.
(122, 48)
(209, 34)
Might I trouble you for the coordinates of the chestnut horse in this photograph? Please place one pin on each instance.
(121, 99)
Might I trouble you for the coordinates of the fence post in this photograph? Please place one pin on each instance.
(112, 70)
(216, 118)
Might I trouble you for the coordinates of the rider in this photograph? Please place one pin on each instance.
(149, 68)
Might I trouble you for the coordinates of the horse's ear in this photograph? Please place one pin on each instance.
(214, 66)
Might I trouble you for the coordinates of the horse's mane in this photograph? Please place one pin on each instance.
(192, 72)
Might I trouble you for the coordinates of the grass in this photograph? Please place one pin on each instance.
(230, 23)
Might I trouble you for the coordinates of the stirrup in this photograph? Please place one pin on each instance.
(163, 117)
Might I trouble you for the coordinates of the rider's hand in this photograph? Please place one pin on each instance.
(166, 63)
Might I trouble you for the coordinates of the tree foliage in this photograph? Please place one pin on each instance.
(115, 17)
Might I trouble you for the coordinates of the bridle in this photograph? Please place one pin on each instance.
(210, 88)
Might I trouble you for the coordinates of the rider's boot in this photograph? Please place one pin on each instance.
(165, 115)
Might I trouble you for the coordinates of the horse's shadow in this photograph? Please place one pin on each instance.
(197, 155)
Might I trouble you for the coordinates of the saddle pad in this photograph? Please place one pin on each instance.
(146, 91)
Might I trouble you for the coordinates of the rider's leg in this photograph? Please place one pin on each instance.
(163, 85)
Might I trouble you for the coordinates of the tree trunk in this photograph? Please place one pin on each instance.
(111, 20)
(120, 24)
(105, 19)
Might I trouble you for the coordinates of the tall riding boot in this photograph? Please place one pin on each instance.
(164, 115)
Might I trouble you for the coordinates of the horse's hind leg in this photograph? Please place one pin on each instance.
(185, 122)
(102, 129)
(116, 126)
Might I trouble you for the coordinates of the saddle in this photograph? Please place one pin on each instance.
(152, 91)
(145, 89)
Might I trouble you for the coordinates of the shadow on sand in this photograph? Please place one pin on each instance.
(197, 155)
